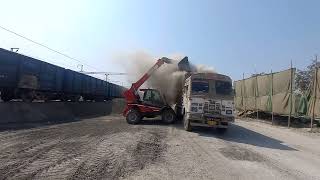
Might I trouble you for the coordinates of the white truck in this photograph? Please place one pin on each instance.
(207, 101)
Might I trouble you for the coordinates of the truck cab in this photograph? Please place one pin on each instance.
(207, 101)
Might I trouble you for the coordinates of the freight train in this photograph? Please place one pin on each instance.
(26, 78)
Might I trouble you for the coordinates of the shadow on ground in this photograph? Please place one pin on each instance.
(21, 115)
(235, 133)
(243, 135)
(29, 125)
(158, 122)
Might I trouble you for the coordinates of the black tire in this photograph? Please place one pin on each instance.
(168, 116)
(64, 98)
(99, 99)
(133, 117)
(75, 98)
(27, 95)
(5, 98)
(186, 123)
(222, 130)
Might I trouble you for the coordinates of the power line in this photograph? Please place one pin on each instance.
(47, 47)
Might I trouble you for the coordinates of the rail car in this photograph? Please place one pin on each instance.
(26, 78)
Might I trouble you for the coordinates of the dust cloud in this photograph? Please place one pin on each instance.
(167, 79)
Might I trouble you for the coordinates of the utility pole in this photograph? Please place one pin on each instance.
(81, 67)
(257, 95)
(291, 89)
(256, 92)
(272, 116)
(14, 49)
(107, 74)
(314, 92)
(243, 96)
(106, 77)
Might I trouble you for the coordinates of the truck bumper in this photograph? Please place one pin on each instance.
(218, 125)
(208, 120)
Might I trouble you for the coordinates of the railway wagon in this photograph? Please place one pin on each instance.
(116, 91)
(26, 78)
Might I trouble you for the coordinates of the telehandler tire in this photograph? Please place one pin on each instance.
(168, 116)
(133, 117)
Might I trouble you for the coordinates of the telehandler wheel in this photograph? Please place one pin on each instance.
(186, 123)
(168, 116)
(133, 117)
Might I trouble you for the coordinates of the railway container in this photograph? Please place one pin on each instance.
(51, 78)
(8, 72)
(28, 78)
(22, 75)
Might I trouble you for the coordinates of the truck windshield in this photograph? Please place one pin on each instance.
(200, 87)
(223, 88)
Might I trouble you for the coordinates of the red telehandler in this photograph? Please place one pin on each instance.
(153, 102)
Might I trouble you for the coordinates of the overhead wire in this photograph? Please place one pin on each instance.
(47, 47)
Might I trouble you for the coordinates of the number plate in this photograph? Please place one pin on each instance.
(212, 123)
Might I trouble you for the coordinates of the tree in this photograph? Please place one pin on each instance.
(304, 77)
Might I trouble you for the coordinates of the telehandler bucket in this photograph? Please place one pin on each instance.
(184, 65)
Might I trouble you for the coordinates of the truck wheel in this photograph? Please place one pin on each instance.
(133, 117)
(168, 116)
(186, 123)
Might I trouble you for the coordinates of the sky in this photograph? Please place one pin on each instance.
(233, 36)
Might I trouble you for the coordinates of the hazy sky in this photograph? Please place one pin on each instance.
(233, 36)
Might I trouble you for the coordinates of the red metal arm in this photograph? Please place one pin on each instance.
(131, 94)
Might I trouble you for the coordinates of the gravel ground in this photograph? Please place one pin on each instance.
(109, 148)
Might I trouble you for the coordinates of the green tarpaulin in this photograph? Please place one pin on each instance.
(267, 92)
(314, 101)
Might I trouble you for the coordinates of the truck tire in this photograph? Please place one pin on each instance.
(133, 117)
(186, 123)
(168, 116)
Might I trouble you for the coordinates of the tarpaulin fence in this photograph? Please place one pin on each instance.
(314, 96)
(270, 93)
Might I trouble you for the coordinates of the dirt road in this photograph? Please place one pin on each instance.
(108, 148)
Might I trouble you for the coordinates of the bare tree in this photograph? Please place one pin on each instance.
(304, 77)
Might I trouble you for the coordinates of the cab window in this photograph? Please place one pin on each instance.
(156, 96)
(200, 87)
(147, 96)
(223, 88)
